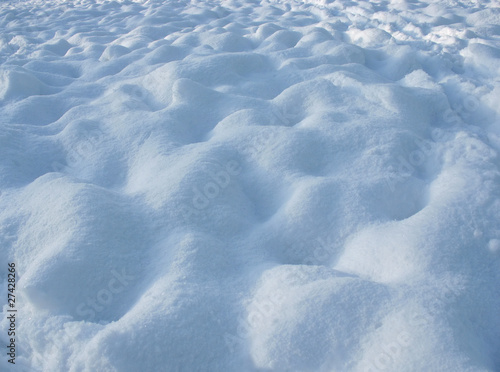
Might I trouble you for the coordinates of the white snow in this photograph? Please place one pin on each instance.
(243, 185)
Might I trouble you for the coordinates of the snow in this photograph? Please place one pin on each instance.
(243, 185)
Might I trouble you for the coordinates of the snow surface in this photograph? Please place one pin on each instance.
(240, 185)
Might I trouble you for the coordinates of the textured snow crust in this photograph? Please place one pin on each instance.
(251, 186)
